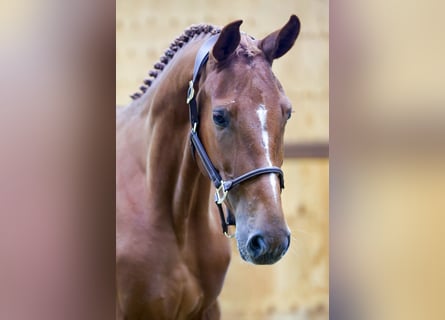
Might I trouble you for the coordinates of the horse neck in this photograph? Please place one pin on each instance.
(173, 179)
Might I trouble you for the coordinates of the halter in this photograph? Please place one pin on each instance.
(222, 186)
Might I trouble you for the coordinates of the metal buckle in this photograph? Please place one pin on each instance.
(230, 236)
(190, 92)
(221, 193)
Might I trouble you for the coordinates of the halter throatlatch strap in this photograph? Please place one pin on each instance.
(222, 186)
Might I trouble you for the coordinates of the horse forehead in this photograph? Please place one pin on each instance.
(249, 103)
(248, 82)
(260, 94)
(259, 115)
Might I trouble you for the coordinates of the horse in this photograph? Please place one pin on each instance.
(211, 108)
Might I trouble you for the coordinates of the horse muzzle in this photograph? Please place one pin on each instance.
(263, 248)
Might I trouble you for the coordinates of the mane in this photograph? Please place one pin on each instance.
(247, 51)
(174, 47)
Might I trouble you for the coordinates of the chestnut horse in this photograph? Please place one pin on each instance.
(171, 256)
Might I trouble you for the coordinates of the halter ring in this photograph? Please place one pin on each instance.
(229, 236)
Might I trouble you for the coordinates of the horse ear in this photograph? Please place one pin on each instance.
(228, 41)
(279, 42)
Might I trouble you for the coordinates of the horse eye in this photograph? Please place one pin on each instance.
(220, 118)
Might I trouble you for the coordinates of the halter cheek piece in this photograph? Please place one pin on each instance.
(222, 186)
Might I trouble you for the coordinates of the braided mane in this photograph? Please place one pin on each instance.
(177, 44)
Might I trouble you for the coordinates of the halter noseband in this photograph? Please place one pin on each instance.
(222, 186)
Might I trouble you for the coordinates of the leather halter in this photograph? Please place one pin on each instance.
(222, 186)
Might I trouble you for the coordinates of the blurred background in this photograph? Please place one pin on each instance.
(387, 174)
(297, 286)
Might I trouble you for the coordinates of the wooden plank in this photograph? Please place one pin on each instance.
(306, 150)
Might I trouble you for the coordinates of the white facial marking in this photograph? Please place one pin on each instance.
(262, 115)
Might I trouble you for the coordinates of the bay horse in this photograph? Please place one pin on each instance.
(211, 108)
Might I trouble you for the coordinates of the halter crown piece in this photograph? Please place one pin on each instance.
(222, 186)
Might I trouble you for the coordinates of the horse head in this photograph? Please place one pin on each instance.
(243, 114)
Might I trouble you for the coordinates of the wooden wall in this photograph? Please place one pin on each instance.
(297, 286)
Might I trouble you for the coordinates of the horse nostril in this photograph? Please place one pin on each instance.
(257, 246)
